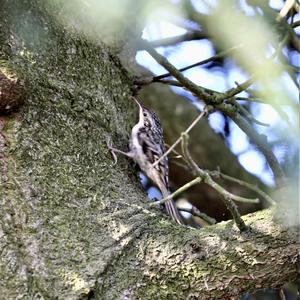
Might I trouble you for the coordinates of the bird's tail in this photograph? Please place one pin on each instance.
(173, 211)
(171, 207)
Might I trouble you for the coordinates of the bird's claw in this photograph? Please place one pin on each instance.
(111, 149)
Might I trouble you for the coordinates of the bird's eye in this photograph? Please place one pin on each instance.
(145, 115)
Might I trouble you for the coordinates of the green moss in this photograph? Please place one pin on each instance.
(9, 183)
(59, 164)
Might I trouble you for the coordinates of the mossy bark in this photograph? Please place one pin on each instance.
(73, 225)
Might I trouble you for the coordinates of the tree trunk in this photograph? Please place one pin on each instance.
(73, 225)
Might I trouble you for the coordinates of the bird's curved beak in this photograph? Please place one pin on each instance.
(140, 109)
(137, 102)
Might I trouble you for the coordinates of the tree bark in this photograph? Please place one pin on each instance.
(73, 225)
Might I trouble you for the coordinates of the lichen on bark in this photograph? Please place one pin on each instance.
(60, 174)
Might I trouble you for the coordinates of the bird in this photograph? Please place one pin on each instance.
(146, 146)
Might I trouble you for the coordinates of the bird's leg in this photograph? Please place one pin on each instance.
(113, 150)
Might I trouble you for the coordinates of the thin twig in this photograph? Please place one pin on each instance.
(247, 114)
(240, 88)
(250, 99)
(252, 187)
(276, 106)
(177, 153)
(285, 9)
(228, 197)
(189, 36)
(181, 165)
(176, 83)
(296, 24)
(197, 213)
(208, 180)
(219, 174)
(262, 143)
(194, 88)
(180, 138)
(203, 62)
(178, 191)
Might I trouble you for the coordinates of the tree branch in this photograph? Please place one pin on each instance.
(197, 213)
(215, 99)
(261, 142)
(171, 148)
(224, 263)
(199, 91)
(189, 36)
(246, 113)
(203, 62)
(234, 91)
(207, 179)
(244, 183)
